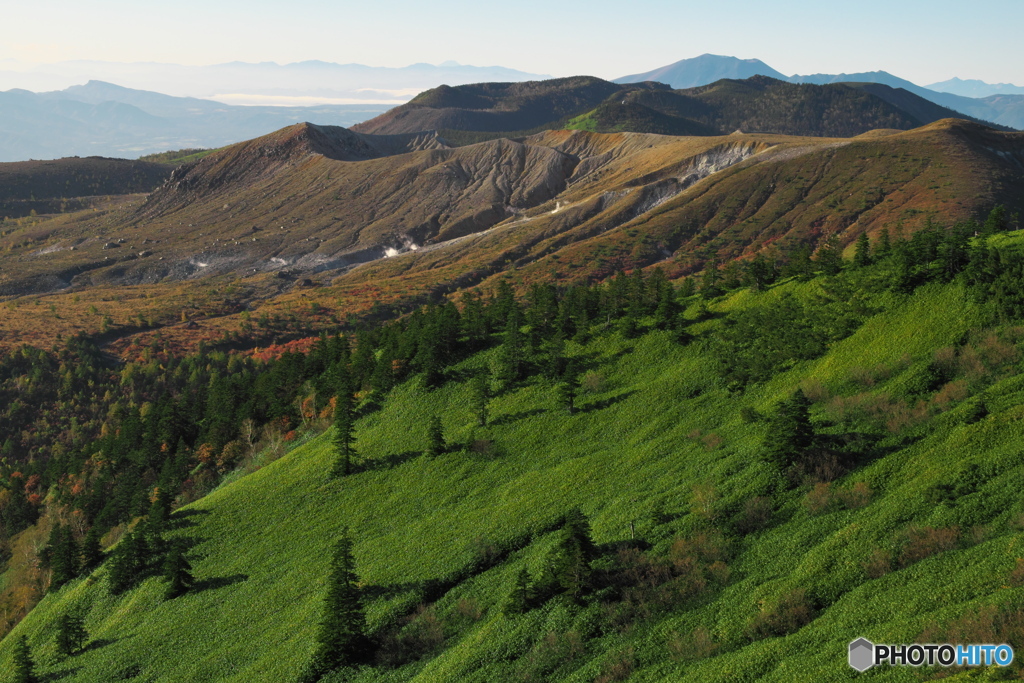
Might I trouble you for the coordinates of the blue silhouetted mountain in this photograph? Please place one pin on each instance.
(690, 73)
(108, 120)
(972, 87)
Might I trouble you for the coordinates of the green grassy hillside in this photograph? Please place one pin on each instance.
(712, 563)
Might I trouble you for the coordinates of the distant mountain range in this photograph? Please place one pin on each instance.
(975, 88)
(759, 104)
(265, 83)
(1005, 108)
(103, 119)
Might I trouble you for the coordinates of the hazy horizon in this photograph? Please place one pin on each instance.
(924, 42)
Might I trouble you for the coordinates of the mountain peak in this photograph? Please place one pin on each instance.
(704, 69)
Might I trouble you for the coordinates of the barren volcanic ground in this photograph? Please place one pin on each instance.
(319, 223)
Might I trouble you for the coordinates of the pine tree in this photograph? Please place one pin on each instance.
(520, 596)
(24, 666)
(511, 357)
(790, 432)
(435, 438)
(160, 510)
(344, 426)
(178, 572)
(568, 388)
(63, 557)
(862, 251)
(884, 247)
(128, 562)
(829, 258)
(71, 633)
(92, 552)
(480, 392)
(342, 641)
(709, 280)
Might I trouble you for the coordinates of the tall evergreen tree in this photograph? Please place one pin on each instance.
(92, 552)
(128, 562)
(435, 438)
(342, 640)
(344, 427)
(790, 432)
(568, 388)
(24, 665)
(178, 572)
(829, 258)
(520, 596)
(63, 557)
(480, 395)
(862, 251)
(71, 633)
(511, 358)
(884, 247)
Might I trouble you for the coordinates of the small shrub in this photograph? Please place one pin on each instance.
(793, 611)
(755, 515)
(619, 667)
(923, 542)
(819, 499)
(698, 644)
(814, 390)
(878, 564)
(592, 382)
(1017, 575)
(856, 497)
(712, 441)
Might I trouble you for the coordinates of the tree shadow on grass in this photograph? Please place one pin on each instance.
(605, 403)
(513, 417)
(182, 519)
(386, 462)
(216, 582)
(99, 643)
(56, 675)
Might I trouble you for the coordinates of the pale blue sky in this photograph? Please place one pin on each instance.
(918, 40)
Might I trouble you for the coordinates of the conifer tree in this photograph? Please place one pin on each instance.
(178, 572)
(790, 432)
(884, 247)
(568, 388)
(342, 640)
(862, 251)
(71, 633)
(511, 359)
(92, 552)
(128, 562)
(480, 392)
(828, 258)
(344, 426)
(160, 510)
(520, 596)
(24, 665)
(63, 557)
(435, 438)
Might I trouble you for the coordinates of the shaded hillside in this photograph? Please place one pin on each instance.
(493, 107)
(53, 186)
(759, 104)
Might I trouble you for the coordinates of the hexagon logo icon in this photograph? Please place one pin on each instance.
(862, 654)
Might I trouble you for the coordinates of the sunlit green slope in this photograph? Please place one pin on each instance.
(660, 454)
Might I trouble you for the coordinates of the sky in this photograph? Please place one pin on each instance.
(923, 42)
